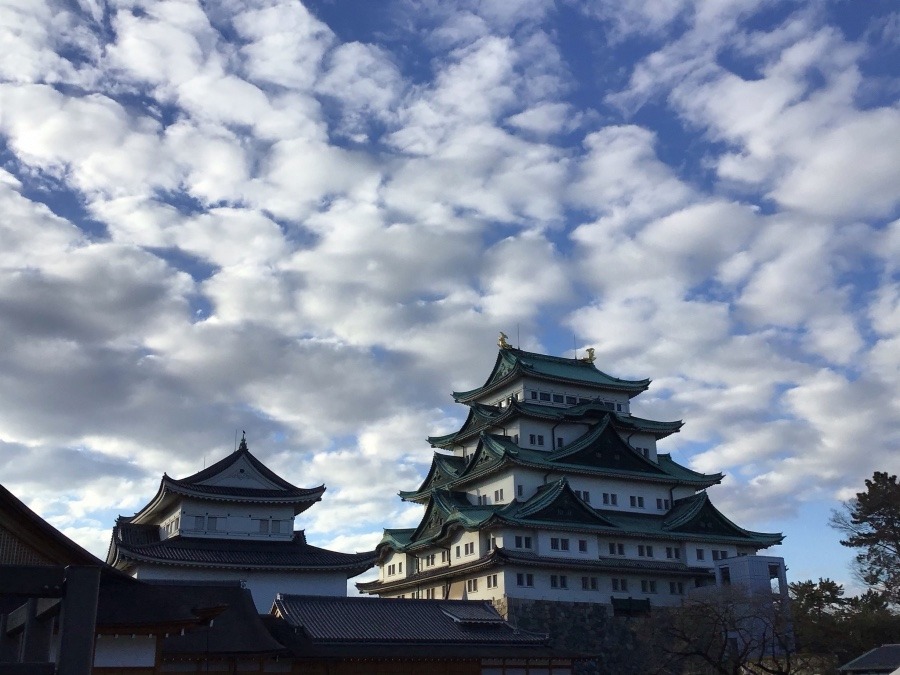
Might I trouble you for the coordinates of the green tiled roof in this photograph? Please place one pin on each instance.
(556, 506)
(601, 451)
(513, 363)
(482, 418)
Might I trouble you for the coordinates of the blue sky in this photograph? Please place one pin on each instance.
(310, 222)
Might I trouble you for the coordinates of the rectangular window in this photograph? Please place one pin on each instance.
(540, 439)
(558, 398)
(589, 583)
(616, 549)
(472, 585)
(532, 439)
(545, 396)
(554, 543)
(564, 544)
(673, 552)
(586, 496)
(199, 522)
(520, 490)
(264, 526)
(559, 581)
(620, 585)
(469, 548)
(701, 554)
(659, 503)
(715, 554)
(516, 439)
(212, 523)
(457, 551)
(518, 541)
(498, 496)
(559, 442)
(582, 545)
(676, 588)
(399, 568)
(636, 502)
(648, 586)
(534, 395)
(526, 580)
(445, 555)
(649, 551)
(492, 581)
(571, 400)
(527, 542)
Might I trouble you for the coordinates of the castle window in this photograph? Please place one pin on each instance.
(469, 548)
(645, 551)
(199, 522)
(520, 490)
(557, 398)
(559, 442)
(611, 498)
(636, 502)
(492, 581)
(532, 439)
(212, 523)
(648, 586)
(701, 554)
(582, 545)
(571, 400)
(540, 439)
(673, 552)
(545, 396)
(264, 526)
(616, 548)
(524, 580)
(676, 587)
(534, 395)
(498, 495)
(471, 585)
(620, 585)
(559, 581)
(589, 583)
(584, 494)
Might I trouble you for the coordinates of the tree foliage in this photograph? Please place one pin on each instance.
(871, 523)
(837, 629)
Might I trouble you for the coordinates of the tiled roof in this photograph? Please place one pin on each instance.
(456, 622)
(883, 659)
(513, 363)
(236, 629)
(136, 543)
(556, 506)
(503, 556)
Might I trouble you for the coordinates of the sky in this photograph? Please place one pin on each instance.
(310, 222)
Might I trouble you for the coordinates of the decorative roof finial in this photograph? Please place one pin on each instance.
(243, 445)
(590, 355)
(502, 343)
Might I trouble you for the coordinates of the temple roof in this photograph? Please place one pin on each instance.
(240, 477)
(556, 506)
(483, 417)
(132, 543)
(512, 364)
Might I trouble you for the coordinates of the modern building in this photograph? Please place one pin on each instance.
(233, 521)
(552, 490)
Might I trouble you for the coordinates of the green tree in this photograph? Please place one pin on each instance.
(871, 523)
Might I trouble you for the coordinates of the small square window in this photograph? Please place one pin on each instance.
(534, 395)
(540, 439)
(545, 396)
(571, 400)
(557, 398)
(582, 545)
(701, 554)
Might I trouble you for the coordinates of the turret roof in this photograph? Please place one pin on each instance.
(513, 363)
(143, 544)
(240, 477)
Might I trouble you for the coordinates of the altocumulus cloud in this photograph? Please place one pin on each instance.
(309, 221)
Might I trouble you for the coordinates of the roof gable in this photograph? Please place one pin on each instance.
(603, 447)
(556, 502)
(697, 515)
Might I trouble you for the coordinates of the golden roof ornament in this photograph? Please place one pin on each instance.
(501, 341)
(590, 355)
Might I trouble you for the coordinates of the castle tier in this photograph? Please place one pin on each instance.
(552, 490)
(233, 522)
